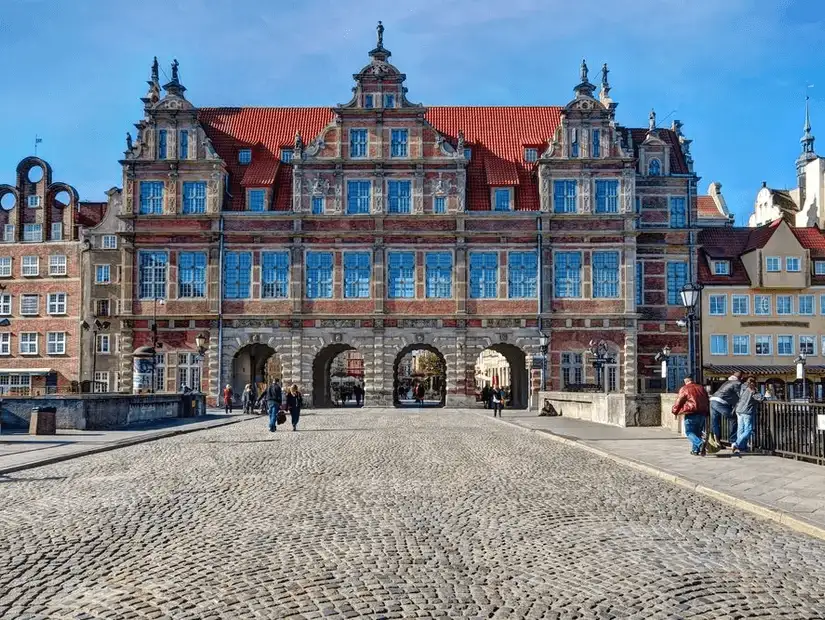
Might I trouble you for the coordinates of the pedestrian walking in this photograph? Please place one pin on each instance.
(693, 403)
(294, 402)
(247, 400)
(746, 410)
(274, 398)
(485, 396)
(419, 394)
(497, 401)
(722, 404)
(227, 398)
(358, 392)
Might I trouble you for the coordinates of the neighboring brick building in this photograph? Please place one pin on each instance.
(40, 281)
(385, 226)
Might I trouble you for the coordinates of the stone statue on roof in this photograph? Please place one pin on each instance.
(605, 71)
(128, 141)
(460, 145)
(299, 145)
(584, 71)
(380, 30)
(651, 119)
(155, 73)
(175, 70)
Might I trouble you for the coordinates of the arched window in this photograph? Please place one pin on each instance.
(654, 168)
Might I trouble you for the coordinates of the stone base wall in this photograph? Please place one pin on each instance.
(616, 409)
(669, 421)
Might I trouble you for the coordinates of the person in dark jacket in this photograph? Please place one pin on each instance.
(496, 401)
(722, 403)
(746, 408)
(274, 398)
(294, 402)
(485, 396)
(693, 403)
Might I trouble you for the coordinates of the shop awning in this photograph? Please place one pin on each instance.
(25, 371)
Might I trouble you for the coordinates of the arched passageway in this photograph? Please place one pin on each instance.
(419, 377)
(257, 364)
(504, 366)
(338, 377)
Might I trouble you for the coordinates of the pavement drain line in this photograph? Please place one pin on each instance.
(765, 512)
(124, 443)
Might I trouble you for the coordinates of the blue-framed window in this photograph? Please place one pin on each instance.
(440, 204)
(483, 275)
(192, 274)
(401, 275)
(567, 273)
(368, 101)
(194, 197)
(678, 212)
(357, 142)
(237, 275)
(286, 156)
(677, 277)
(274, 275)
(357, 269)
(245, 156)
(640, 283)
(151, 197)
(607, 196)
(183, 144)
(389, 101)
(564, 196)
(606, 275)
(654, 168)
(256, 200)
(522, 273)
(596, 145)
(319, 275)
(162, 151)
(399, 196)
(358, 197)
(398, 142)
(152, 274)
(103, 274)
(439, 275)
(574, 142)
(502, 199)
(317, 205)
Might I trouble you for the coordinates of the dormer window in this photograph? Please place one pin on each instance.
(368, 103)
(503, 199)
(531, 155)
(286, 156)
(468, 153)
(244, 156)
(819, 268)
(654, 168)
(773, 264)
(721, 268)
(389, 101)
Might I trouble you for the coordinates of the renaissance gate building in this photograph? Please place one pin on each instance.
(386, 226)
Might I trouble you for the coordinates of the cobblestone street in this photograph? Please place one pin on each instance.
(384, 514)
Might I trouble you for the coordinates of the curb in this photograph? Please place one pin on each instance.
(798, 524)
(123, 443)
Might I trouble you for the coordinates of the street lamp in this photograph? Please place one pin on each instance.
(598, 349)
(200, 342)
(664, 357)
(690, 294)
(155, 343)
(543, 342)
(95, 328)
(800, 362)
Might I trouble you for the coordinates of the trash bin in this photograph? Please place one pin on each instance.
(43, 421)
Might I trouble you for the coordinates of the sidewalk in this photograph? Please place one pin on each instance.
(19, 450)
(791, 492)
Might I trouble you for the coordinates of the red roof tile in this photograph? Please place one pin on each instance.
(261, 171)
(500, 172)
(90, 213)
(706, 208)
(812, 239)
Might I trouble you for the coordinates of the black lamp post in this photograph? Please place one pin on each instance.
(800, 362)
(200, 342)
(598, 349)
(155, 344)
(690, 293)
(95, 328)
(543, 342)
(664, 357)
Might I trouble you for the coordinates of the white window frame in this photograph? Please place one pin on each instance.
(769, 339)
(30, 266)
(727, 344)
(813, 344)
(25, 339)
(724, 311)
(5, 304)
(531, 154)
(778, 313)
(757, 306)
(108, 242)
(740, 296)
(819, 268)
(23, 298)
(34, 202)
(511, 206)
(57, 227)
(5, 266)
(8, 233)
(54, 304)
(100, 383)
(5, 343)
(57, 350)
(103, 344)
(797, 264)
(799, 305)
(747, 340)
(108, 269)
(768, 260)
(28, 233)
(793, 344)
(721, 267)
(58, 267)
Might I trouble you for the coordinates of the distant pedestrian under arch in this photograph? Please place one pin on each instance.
(503, 366)
(419, 377)
(338, 377)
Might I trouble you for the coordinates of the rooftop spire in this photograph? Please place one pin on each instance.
(155, 75)
(585, 88)
(153, 94)
(807, 138)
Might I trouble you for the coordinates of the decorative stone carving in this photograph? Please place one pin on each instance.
(213, 192)
(315, 148)
(628, 190)
(419, 337)
(445, 147)
(585, 196)
(337, 337)
(297, 182)
(340, 323)
(418, 323)
(546, 188)
(319, 186)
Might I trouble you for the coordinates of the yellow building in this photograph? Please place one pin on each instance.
(763, 305)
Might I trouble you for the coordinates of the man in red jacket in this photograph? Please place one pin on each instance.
(694, 404)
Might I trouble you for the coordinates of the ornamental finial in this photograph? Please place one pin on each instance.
(380, 31)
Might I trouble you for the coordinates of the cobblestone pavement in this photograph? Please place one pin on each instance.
(384, 514)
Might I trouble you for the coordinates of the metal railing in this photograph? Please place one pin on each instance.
(789, 429)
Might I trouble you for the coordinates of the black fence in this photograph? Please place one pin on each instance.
(791, 429)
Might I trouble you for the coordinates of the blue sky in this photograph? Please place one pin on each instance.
(734, 72)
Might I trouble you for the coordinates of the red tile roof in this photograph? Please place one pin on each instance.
(706, 208)
(496, 136)
(90, 213)
(677, 160)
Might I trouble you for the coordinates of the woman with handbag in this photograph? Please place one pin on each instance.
(294, 402)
